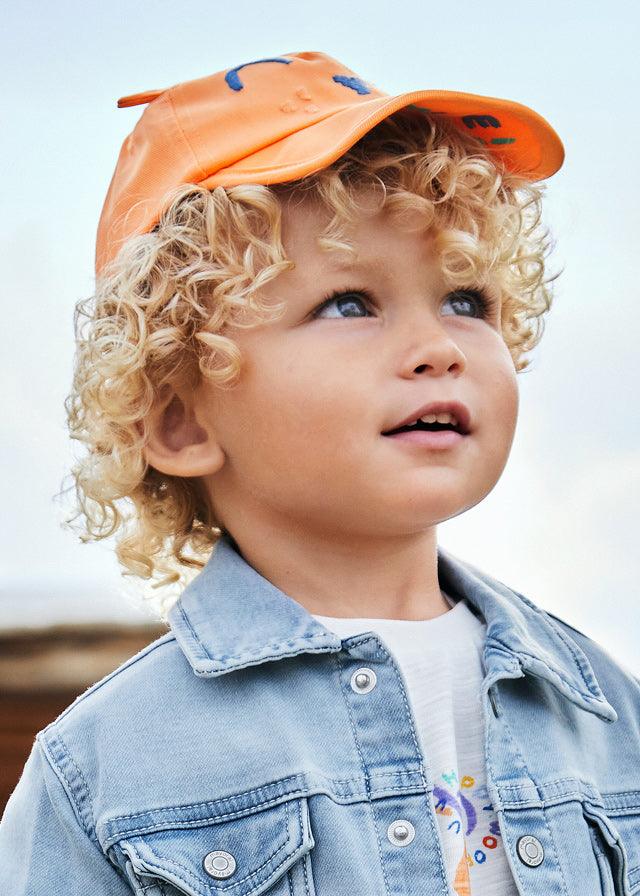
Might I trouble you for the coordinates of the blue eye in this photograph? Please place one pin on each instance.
(346, 301)
(357, 303)
(470, 298)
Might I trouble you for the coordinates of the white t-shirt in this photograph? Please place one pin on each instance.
(441, 661)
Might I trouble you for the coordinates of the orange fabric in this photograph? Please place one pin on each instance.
(279, 119)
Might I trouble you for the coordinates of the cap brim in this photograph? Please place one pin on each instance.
(521, 138)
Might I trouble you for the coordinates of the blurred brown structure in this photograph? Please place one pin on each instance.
(42, 671)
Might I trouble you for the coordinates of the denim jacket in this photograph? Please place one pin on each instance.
(237, 755)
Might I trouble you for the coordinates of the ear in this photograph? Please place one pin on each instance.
(176, 442)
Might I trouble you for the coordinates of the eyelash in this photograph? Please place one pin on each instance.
(339, 293)
(485, 302)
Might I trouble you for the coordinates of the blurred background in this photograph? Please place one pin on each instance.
(561, 524)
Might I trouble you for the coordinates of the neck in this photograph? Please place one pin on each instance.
(386, 578)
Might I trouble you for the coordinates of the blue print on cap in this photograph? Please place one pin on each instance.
(234, 81)
(356, 84)
(485, 121)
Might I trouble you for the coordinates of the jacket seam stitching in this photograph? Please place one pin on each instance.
(556, 629)
(417, 746)
(245, 793)
(620, 810)
(305, 858)
(365, 773)
(509, 840)
(588, 696)
(71, 787)
(544, 811)
(216, 819)
(508, 786)
(223, 799)
(189, 876)
(555, 851)
(224, 658)
(516, 749)
(193, 632)
(544, 619)
(487, 753)
(571, 796)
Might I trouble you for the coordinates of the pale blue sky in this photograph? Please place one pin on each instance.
(561, 525)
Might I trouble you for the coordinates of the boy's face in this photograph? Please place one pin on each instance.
(298, 442)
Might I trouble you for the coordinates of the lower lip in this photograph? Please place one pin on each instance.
(446, 438)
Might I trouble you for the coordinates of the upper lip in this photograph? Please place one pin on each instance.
(456, 408)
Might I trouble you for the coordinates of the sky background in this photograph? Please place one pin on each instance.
(561, 524)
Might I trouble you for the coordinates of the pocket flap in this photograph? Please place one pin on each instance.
(609, 851)
(244, 854)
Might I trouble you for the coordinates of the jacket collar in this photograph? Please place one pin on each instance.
(229, 617)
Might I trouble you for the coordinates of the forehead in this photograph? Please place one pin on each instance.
(374, 236)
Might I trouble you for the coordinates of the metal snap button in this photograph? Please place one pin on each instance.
(219, 864)
(363, 680)
(401, 832)
(530, 850)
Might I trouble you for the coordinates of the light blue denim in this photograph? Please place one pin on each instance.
(238, 755)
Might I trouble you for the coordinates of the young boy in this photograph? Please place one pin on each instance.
(312, 303)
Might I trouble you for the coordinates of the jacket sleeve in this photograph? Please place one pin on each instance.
(44, 850)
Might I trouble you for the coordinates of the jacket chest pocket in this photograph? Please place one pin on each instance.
(616, 846)
(266, 850)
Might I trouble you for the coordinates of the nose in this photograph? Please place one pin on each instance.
(432, 350)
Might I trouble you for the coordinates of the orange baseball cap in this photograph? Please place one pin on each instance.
(279, 119)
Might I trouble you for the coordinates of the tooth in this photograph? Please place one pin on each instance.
(440, 418)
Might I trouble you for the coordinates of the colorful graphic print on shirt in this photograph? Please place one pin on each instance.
(465, 813)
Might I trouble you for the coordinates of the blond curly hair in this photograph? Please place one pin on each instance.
(159, 308)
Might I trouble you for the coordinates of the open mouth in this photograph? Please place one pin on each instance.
(426, 427)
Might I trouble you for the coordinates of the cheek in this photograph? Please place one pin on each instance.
(296, 401)
(506, 393)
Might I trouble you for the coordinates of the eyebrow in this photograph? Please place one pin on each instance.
(365, 265)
